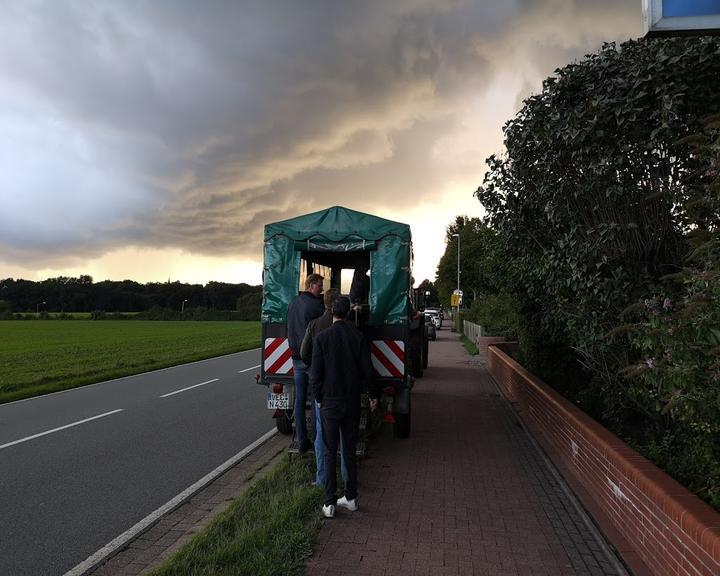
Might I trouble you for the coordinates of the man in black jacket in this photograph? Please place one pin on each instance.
(306, 306)
(339, 372)
(314, 328)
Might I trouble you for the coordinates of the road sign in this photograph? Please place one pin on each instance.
(456, 299)
(681, 17)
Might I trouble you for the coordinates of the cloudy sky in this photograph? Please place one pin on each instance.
(153, 140)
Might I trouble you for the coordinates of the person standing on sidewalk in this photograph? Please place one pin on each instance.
(340, 370)
(304, 307)
(314, 328)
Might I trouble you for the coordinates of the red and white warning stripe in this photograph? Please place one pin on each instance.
(277, 356)
(388, 357)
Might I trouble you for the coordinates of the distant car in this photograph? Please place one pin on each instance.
(430, 328)
(435, 316)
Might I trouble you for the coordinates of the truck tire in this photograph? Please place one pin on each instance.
(425, 351)
(414, 356)
(413, 352)
(284, 423)
(401, 428)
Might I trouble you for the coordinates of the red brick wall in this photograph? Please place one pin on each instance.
(670, 530)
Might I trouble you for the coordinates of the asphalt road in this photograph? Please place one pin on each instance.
(79, 468)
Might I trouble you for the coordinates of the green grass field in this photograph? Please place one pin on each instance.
(38, 357)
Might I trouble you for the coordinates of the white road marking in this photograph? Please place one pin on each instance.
(189, 388)
(248, 369)
(58, 429)
(111, 547)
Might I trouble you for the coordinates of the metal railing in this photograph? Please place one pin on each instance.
(472, 331)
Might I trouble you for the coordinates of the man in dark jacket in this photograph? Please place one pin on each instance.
(339, 372)
(316, 326)
(306, 306)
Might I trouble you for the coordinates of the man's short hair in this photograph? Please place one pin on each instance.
(313, 279)
(341, 307)
(331, 294)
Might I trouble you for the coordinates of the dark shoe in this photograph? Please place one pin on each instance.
(304, 447)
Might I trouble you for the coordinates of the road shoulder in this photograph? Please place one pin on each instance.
(173, 530)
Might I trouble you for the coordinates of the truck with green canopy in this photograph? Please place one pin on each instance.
(335, 243)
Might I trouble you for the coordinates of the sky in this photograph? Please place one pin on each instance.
(152, 141)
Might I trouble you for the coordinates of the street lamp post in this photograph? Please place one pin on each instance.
(37, 308)
(457, 325)
(182, 308)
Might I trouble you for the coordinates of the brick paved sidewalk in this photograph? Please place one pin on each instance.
(467, 493)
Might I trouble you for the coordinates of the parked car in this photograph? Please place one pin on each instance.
(430, 332)
(435, 316)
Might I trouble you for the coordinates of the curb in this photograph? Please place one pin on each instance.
(160, 534)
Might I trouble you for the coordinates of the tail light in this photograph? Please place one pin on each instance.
(277, 388)
(277, 413)
(389, 418)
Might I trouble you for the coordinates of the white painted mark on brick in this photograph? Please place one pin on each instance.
(58, 429)
(575, 448)
(616, 490)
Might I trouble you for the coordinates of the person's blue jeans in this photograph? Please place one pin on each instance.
(301, 390)
(321, 474)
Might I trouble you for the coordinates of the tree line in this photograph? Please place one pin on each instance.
(68, 294)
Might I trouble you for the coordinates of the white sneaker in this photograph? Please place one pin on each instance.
(348, 504)
(329, 511)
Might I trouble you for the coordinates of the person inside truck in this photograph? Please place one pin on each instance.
(314, 328)
(306, 306)
(360, 287)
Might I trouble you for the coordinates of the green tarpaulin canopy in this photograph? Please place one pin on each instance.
(338, 230)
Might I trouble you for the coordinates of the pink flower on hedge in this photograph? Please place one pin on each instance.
(650, 362)
(667, 303)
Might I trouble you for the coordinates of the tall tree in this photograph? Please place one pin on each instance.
(589, 198)
(479, 260)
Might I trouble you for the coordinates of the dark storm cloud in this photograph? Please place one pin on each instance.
(190, 125)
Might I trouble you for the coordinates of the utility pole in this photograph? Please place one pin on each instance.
(457, 292)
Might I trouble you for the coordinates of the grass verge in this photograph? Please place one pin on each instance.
(469, 345)
(41, 356)
(268, 531)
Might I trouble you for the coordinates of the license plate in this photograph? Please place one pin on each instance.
(278, 401)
